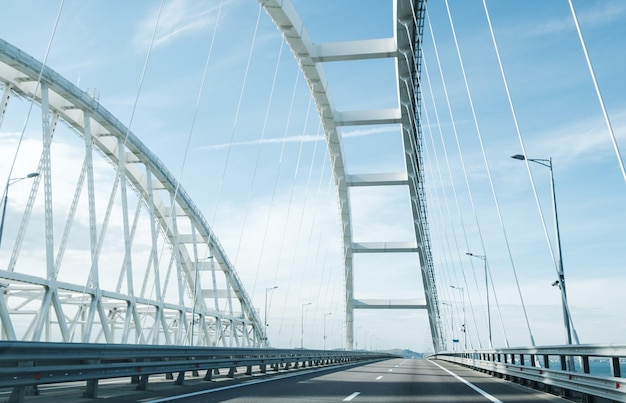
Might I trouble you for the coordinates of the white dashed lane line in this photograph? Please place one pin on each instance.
(352, 396)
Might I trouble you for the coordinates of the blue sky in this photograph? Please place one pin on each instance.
(265, 184)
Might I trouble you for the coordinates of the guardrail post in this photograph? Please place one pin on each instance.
(180, 379)
(564, 392)
(263, 368)
(231, 372)
(585, 359)
(615, 368)
(546, 364)
(143, 382)
(209, 375)
(19, 392)
(249, 370)
(91, 389)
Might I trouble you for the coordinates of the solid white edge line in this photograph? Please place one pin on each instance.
(240, 385)
(476, 388)
(352, 396)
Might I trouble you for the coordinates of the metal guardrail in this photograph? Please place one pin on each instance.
(28, 364)
(591, 370)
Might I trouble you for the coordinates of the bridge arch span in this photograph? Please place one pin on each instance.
(101, 300)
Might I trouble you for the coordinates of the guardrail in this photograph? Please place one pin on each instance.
(29, 364)
(590, 370)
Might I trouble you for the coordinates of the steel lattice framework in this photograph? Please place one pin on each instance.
(154, 273)
(404, 48)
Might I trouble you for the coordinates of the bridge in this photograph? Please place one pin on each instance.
(244, 184)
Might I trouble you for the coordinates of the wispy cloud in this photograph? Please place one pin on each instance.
(292, 139)
(600, 14)
(586, 138)
(179, 18)
(305, 138)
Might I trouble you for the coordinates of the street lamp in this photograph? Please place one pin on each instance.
(265, 329)
(302, 322)
(561, 281)
(484, 258)
(195, 297)
(463, 329)
(11, 181)
(325, 315)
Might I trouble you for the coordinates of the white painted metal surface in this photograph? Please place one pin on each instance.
(146, 239)
(408, 16)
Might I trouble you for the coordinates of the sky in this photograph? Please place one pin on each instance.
(254, 160)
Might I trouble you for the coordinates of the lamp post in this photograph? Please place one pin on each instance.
(265, 321)
(463, 329)
(325, 315)
(195, 297)
(11, 181)
(561, 281)
(302, 323)
(484, 259)
(356, 338)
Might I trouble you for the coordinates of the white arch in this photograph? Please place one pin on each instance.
(100, 313)
(408, 21)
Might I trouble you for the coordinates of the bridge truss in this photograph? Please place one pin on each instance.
(154, 272)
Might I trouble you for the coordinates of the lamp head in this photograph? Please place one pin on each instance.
(32, 174)
(518, 157)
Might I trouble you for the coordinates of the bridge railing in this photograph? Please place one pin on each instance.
(590, 370)
(29, 364)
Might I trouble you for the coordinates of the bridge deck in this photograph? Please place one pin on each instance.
(397, 380)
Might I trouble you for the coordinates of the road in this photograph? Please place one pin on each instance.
(398, 380)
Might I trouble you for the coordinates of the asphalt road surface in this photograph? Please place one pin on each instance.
(398, 380)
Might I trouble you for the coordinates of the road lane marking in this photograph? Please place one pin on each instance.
(380, 377)
(476, 388)
(241, 385)
(390, 369)
(352, 396)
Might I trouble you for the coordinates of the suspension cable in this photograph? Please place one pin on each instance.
(455, 132)
(598, 93)
(508, 94)
(256, 167)
(478, 131)
(236, 119)
(188, 144)
(32, 100)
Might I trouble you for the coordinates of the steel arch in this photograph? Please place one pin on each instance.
(221, 314)
(404, 47)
